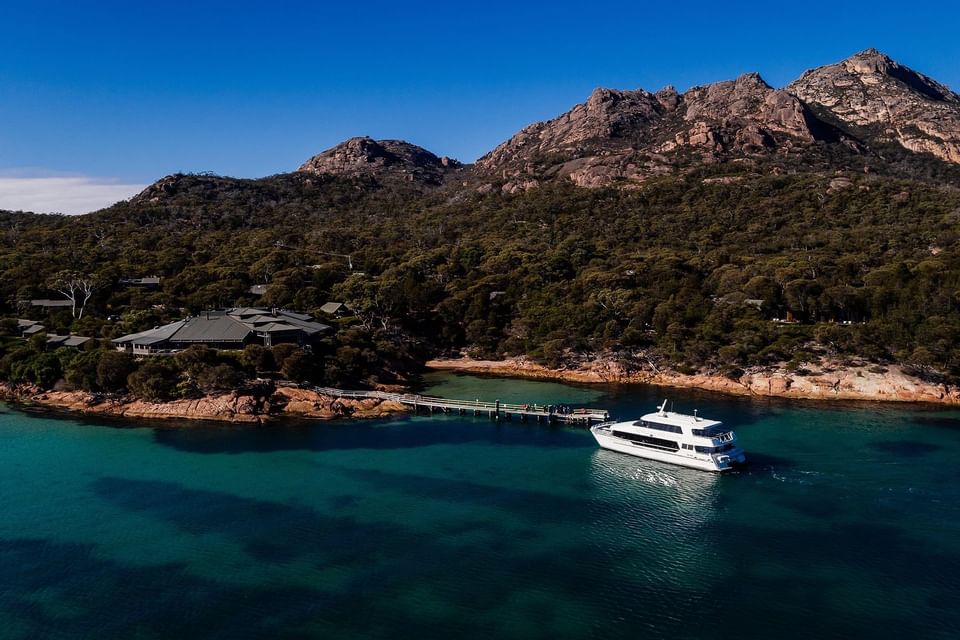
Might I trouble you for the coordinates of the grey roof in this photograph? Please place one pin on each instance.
(247, 311)
(51, 303)
(332, 307)
(276, 327)
(26, 323)
(151, 336)
(258, 312)
(214, 329)
(147, 280)
(308, 326)
(293, 314)
(32, 329)
(68, 341)
(257, 289)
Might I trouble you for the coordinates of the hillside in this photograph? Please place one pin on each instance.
(677, 231)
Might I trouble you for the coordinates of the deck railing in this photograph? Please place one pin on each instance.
(552, 412)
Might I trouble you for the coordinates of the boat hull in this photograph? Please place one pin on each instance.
(625, 446)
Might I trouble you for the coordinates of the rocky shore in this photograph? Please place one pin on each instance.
(238, 407)
(828, 381)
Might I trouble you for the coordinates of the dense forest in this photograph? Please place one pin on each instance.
(773, 261)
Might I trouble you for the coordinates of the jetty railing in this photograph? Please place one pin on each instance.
(495, 410)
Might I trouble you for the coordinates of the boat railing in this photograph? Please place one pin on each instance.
(718, 438)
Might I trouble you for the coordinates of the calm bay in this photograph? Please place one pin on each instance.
(845, 524)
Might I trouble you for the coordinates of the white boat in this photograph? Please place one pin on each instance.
(678, 438)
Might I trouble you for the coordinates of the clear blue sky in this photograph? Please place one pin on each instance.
(136, 90)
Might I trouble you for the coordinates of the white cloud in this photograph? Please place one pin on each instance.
(63, 194)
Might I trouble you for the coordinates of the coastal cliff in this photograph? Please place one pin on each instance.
(830, 381)
(284, 402)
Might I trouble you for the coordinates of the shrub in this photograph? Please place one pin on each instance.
(194, 359)
(113, 368)
(299, 366)
(154, 380)
(257, 358)
(81, 371)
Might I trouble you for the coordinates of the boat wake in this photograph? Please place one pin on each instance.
(655, 477)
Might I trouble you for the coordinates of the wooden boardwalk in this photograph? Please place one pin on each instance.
(551, 414)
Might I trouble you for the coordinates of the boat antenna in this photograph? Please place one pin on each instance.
(663, 408)
(695, 416)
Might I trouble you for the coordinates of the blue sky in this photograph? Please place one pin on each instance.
(121, 93)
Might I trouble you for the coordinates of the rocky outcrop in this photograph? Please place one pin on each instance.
(628, 137)
(634, 135)
(224, 407)
(872, 91)
(304, 403)
(606, 114)
(365, 157)
(747, 100)
(831, 381)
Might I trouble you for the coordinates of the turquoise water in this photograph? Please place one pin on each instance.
(846, 524)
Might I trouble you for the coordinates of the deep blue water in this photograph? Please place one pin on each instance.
(846, 524)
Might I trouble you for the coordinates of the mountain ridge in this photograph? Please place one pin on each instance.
(837, 116)
(631, 136)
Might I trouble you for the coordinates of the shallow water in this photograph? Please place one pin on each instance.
(846, 523)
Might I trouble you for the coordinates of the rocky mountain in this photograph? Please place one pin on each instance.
(630, 136)
(848, 115)
(870, 90)
(394, 163)
(365, 157)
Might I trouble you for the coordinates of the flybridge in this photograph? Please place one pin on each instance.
(679, 419)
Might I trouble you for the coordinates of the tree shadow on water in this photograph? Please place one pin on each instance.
(905, 448)
(61, 590)
(532, 506)
(268, 531)
(946, 422)
(380, 562)
(340, 436)
(760, 463)
(788, 567)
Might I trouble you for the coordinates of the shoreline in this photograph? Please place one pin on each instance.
(232, 407)
(832, 381)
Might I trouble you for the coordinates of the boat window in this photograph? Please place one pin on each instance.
(722, 448)
(710, 432)
(672, 428)
(648, 441)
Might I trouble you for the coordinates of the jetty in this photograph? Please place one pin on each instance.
(496, 410)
